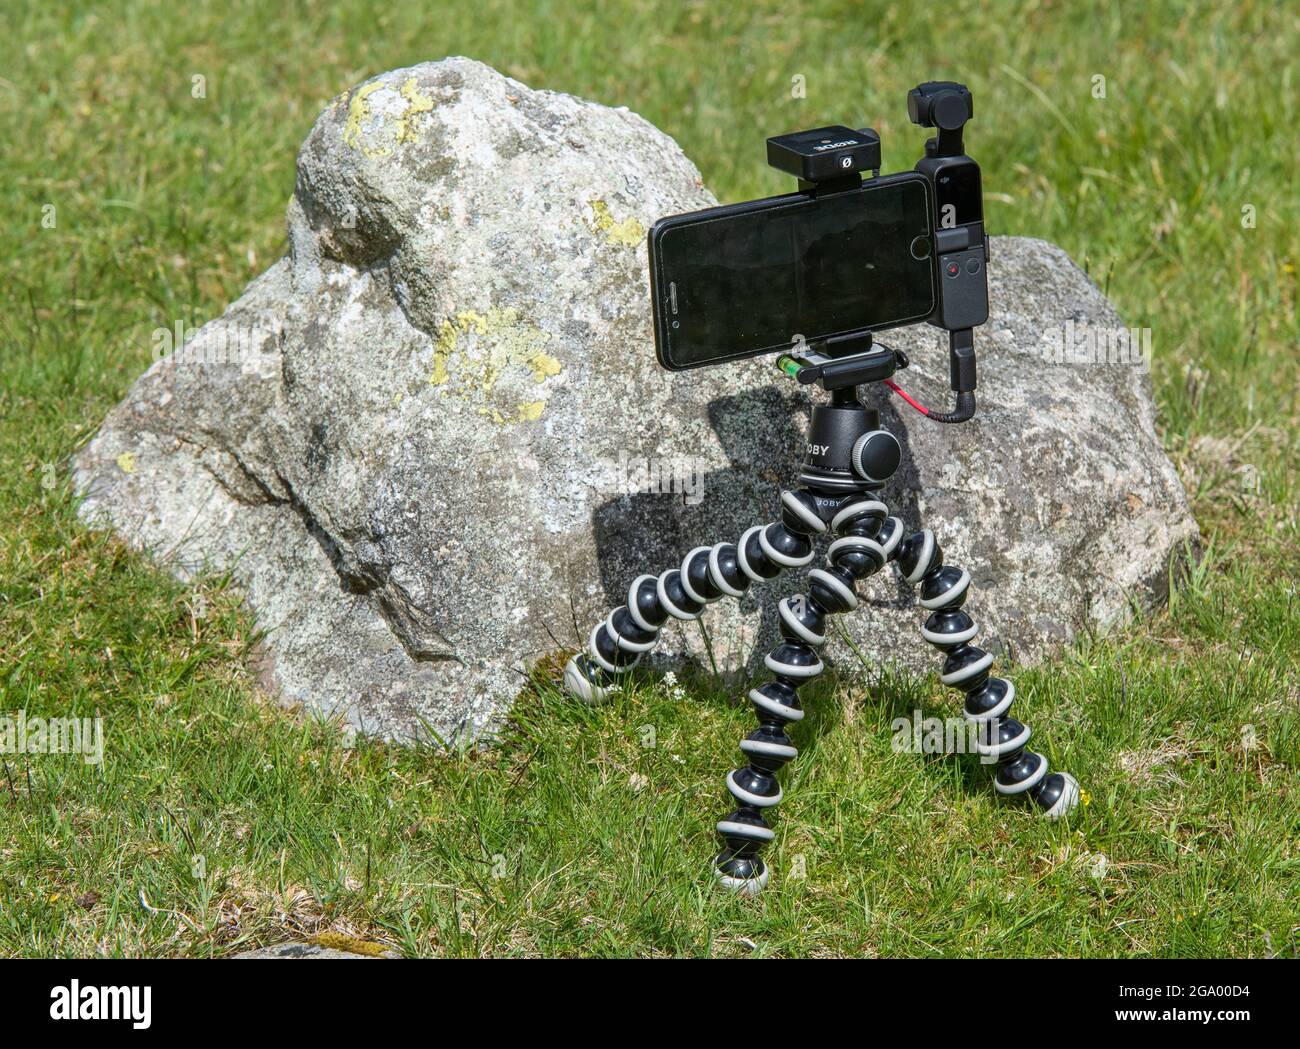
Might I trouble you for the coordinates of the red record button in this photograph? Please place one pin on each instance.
(953, 269)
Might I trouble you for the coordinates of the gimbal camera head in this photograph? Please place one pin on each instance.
(945, 105)
(830, 160)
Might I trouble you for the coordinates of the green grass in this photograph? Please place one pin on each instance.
(572, 837)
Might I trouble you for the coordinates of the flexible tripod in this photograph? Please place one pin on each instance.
(849, 458)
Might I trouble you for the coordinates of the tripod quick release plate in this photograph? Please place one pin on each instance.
(842, 373)
(825, 153)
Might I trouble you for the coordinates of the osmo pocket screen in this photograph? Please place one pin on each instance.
(743, 284)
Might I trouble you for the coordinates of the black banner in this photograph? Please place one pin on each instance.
(143, 998)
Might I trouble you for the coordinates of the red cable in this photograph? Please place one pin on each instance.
(899, 390)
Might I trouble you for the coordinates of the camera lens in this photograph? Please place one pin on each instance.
(921, 248)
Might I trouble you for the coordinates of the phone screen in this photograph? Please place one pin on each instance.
(742, 281)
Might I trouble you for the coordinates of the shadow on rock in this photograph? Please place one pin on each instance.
(650, 530)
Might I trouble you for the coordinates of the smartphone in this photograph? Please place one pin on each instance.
(749, 279)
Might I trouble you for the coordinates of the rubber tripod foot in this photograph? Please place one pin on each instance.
(1059, 796)
(747, 879)
(578, 683)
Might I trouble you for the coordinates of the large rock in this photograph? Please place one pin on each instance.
(414, 440)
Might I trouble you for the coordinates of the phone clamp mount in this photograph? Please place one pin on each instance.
(832, 159)
(848, 459)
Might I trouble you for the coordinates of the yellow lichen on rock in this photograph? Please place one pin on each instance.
(627, 234)
(524, 413)
(126, 462)
(543, 366)
(510, 342)
(401, 129)
(358, 111)
(340, 941)
(416, 103)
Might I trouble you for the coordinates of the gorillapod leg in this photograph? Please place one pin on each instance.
(707, 574)
(950, 629)
(866, 542)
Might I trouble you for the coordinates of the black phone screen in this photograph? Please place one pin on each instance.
(742, 281)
